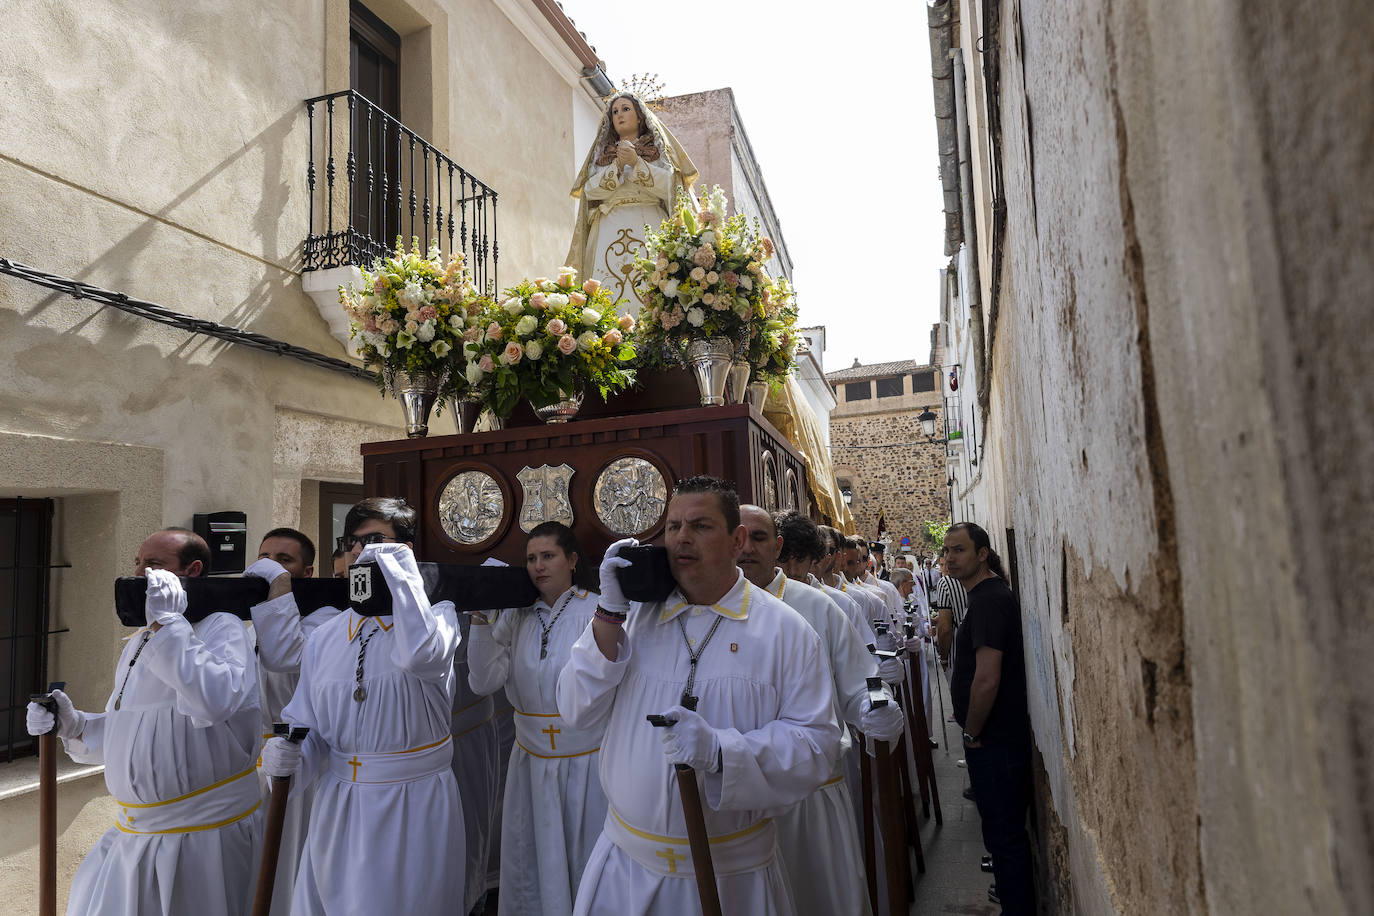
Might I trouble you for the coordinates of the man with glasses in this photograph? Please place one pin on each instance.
(376, 691)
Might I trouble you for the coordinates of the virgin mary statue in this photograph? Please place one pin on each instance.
(630, 178)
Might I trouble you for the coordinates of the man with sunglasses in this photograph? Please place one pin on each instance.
(376, 691)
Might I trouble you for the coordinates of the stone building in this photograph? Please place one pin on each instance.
(882, 459)
(166, 152)
(1159, 294)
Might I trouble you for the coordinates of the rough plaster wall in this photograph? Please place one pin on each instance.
(1186, 278)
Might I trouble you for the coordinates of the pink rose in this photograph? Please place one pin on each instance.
(493, 331)
(612, 338)
(627, 322)
(591, 286)
(538, 301)
(556, 326)
(730, 279)
(379, 286)
(428, 313)
(577, 299)
(705, 256)
(485, 363)
(567, 344)
(513, 353)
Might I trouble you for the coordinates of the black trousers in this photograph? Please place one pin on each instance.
(1000, 775)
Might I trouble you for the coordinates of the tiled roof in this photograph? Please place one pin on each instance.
(876, 370)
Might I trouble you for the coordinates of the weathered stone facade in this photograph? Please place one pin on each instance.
(880, 453)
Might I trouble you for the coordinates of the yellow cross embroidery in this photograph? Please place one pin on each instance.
(673, 858)
(128, 817)
(355, 763)
(551, 731)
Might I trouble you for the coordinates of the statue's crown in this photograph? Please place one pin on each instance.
(647, 86)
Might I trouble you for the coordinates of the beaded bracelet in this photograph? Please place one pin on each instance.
(610, 616)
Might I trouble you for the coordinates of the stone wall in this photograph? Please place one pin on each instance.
(906, 482)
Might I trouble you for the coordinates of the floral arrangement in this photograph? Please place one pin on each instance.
(771, 345)
(547, 341)
(410, 313)
(703, 277)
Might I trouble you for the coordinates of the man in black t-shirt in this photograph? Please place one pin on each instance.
(988, 689)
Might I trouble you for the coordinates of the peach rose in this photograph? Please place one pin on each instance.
(485, 363)
(577, 299)
(627, 322)
(556, 326)
(567, 344)
(591, 286)
(493, 331)
(612, 338)
(538, 301)
(513, 353)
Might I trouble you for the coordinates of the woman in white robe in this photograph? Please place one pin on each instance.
(554, 806)
(630, 179)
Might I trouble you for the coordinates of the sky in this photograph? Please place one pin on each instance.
(838, 105)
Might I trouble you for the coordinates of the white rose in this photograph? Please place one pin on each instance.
(533, 350)
(590, 316)
(670, 290)
(456, 322)
(695, 317)
(587, 339)
(556, 300)
(526, 325)
(513, 305)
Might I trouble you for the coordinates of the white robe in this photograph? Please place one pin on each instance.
(554, 807)
(477, 766)
(851, 608)
(828, 877)
(281, 632)
(379, 847)
(758, 685)
(621, 201)
(188, 719)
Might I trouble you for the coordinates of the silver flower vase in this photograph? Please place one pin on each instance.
(758, 395)
(737, 381)
(465, 413)
(709, 359)
(562, 410)
(417, 392)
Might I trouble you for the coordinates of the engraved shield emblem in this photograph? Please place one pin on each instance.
(359, 584)
(546, 496)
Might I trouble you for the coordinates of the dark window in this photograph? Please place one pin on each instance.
(922, 381)
(890, 387)
(25, 557)
(858, 391)
(335, 501)
(375, 67)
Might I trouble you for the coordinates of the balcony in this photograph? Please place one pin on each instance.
(372, 179)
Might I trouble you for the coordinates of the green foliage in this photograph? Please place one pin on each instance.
(934, 533)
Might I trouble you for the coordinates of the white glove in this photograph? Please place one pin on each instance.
(690, 740)
(885, 723)
(612, 598)
(70, 722)
(166, 601)
(914, 644)
(281, 757)
(267, 569)
(402, 575)
(891, 670)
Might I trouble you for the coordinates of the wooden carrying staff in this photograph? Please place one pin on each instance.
(920, 739)
(276, 818)
(889, 813)
(47, 806)
(698, 841)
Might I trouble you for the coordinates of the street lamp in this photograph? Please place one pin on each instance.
(927, 421)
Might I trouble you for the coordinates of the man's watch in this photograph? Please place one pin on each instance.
(970, 739)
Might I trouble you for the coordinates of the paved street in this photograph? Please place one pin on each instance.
(953, 882)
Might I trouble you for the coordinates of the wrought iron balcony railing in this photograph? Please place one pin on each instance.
(372, 179)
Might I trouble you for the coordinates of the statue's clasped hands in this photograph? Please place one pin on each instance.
(625, 153)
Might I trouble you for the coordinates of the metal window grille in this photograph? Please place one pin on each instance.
(395, 183)
(26, 549)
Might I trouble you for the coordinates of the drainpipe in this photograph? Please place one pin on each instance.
(940, 18)
(975, 283)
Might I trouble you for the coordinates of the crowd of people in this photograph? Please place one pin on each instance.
(527, 759)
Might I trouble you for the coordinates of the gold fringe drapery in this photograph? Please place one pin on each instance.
(789, 413)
